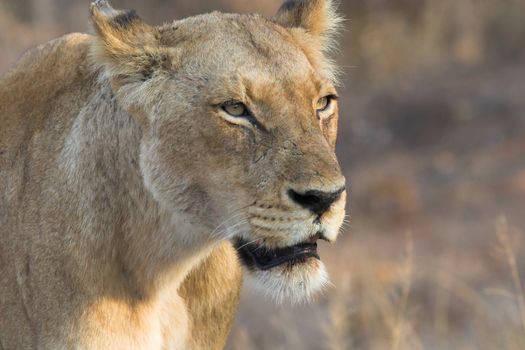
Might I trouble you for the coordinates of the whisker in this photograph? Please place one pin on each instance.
(231, 228)
(236, 213)
(259, 247)
(250, 242)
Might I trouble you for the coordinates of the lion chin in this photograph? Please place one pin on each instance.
(294, 274)
(294, 283)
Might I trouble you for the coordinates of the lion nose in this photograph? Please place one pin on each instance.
(318, 202)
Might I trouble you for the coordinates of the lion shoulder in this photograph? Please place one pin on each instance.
(41, 86)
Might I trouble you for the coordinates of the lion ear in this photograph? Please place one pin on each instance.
(317, 17)
(125, 46)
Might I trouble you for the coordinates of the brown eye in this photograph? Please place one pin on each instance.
(235, 109)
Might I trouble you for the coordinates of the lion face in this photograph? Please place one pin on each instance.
(239, 117)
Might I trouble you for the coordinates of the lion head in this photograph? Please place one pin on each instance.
(239, 119)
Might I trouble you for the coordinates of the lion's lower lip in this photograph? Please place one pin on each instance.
(265, 258)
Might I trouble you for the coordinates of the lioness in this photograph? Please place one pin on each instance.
(130, 160)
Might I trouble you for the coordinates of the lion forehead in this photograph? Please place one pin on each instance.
(219, 45)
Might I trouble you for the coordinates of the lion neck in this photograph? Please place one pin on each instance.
(136, 248)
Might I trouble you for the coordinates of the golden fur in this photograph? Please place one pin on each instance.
(122, 181)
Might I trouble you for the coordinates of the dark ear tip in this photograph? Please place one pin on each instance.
(288, 5)
(125, 18)
(102, 12)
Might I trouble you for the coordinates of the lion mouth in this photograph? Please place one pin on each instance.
(254, 254)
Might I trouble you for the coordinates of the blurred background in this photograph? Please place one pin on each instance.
(432, 142)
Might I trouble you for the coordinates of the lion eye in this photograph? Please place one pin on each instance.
(235, 109)
(323, 103)
(325, 107)
(236, 112)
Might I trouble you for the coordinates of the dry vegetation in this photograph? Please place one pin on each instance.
(432, 143)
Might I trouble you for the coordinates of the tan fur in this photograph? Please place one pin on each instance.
(122, 181)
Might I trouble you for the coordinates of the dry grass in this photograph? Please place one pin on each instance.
(506, 245)
(407, 302)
